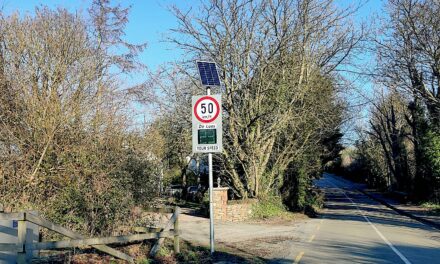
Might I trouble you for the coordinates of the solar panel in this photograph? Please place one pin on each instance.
(208, 73)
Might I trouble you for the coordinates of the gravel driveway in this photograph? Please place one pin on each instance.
(260, 239)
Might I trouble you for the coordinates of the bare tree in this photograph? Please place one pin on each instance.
(270, 54)
(391, 130)
(408, 58)
(408, 51)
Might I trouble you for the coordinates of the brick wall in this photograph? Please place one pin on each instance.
(232, 211)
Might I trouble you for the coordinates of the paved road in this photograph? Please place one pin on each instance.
(356, 229)
(352, 229)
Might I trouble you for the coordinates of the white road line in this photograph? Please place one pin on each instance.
(401, 256)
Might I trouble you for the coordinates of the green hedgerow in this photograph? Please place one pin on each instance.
(269, 206)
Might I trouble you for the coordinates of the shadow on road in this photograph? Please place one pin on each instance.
(339, 207)
(376, 216)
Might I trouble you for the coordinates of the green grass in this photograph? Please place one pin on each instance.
(434, 208)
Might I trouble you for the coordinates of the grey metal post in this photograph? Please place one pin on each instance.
(211, 202)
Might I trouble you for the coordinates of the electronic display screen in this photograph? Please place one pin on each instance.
(207, 136)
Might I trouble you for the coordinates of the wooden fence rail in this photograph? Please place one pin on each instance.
(99, 243)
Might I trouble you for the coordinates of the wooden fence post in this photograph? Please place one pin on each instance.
(22, 229)
(167, 227)
(176, 230)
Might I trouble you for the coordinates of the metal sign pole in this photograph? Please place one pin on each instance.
(211, 186)
(211, 204)
(207, 127)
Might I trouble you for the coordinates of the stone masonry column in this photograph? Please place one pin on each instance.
(220, 199)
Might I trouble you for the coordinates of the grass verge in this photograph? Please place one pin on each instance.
(434, 208)
(189, 253)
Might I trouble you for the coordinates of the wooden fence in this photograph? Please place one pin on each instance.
(171, 230)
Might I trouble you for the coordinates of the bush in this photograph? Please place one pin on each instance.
(91, 208)
(204, 204)
(430, 188)
(314, 202)
(434, 208)
(269, 206)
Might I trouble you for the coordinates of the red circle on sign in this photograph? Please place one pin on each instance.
(216, 104)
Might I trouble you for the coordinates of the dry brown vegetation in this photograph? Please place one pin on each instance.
(66, 148)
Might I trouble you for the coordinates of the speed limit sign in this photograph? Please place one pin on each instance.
(206, 124)
(206, 109)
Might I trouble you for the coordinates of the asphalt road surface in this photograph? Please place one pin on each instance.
(355, 229)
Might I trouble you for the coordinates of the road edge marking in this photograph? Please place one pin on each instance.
(398, 253)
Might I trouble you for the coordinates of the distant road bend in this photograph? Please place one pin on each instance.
(355, 229)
